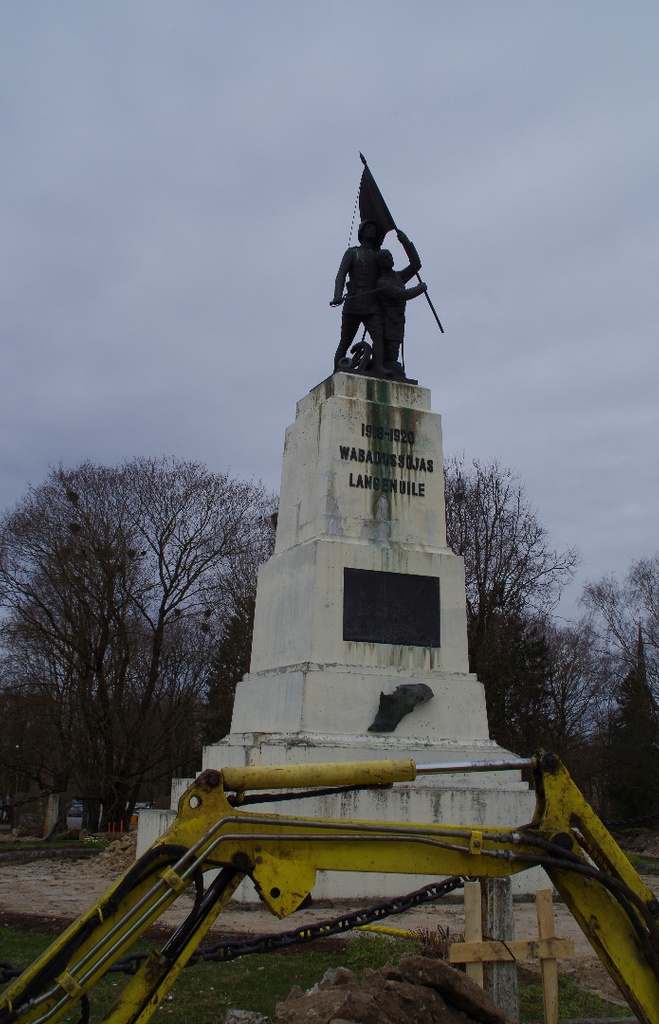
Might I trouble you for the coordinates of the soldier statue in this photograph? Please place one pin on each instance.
(376, 293)
(360, 266)
(392, 295)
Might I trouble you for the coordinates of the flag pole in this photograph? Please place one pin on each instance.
(428, 299)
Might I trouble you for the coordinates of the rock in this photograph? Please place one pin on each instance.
(401, 1002)
(333, 976)
(388, 972)
(244, 1017)
(456, 988)
(419, 991)
(336, 976)
(384, 1003)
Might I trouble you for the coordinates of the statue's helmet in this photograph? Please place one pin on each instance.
(362, 228)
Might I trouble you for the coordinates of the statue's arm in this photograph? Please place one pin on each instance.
(396, 291)
(419, 289)
(412, 255)
(339, 284)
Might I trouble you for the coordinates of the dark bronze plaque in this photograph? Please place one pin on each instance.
(390, 608)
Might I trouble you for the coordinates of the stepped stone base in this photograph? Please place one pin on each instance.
(476, 799)
(483, 798)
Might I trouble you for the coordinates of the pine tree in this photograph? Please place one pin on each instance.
(633, 769)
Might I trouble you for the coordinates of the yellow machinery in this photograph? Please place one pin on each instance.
(212, 830)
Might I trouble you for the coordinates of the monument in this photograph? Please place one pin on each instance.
(360, 633)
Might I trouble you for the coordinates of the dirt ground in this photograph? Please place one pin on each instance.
(49, 894)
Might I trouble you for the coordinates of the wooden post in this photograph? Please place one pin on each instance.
(548, 966)
(499, 925)
(475, 952)
(473, 929)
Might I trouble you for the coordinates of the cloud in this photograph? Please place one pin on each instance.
(179, 182)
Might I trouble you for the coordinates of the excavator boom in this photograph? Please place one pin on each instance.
(212, 833)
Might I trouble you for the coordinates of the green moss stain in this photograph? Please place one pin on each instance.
(408, 421)
(384, 504)
(378, 391)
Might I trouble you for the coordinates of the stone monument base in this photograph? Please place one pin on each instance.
(362, 599)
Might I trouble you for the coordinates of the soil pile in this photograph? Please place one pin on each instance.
(420, 989)
(118, 855)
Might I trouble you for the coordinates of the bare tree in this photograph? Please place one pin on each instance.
(513, 578)
(576, 705)
(618, 609)
(514, 667)
(510, 566)
(118, 580)
(575, 688)
(34, 756)
(232, 654)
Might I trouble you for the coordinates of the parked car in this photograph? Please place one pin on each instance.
(74, 814)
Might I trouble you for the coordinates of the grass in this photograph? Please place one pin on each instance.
(206, 991)
(94, 841)
(573, 1002)
(643, 864)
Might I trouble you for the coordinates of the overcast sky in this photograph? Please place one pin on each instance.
(178, 180)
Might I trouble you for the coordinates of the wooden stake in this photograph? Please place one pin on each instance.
(548, 967)
(475, 951)
(514, 950)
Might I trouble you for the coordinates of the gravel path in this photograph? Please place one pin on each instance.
(64, 889)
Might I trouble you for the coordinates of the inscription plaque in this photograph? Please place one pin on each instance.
(390, 608)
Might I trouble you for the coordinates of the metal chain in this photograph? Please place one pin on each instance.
(631, 821)
(352, 222)
(224, 951)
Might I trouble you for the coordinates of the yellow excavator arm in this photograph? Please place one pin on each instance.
(213, 832)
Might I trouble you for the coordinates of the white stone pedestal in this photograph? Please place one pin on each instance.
(361, 596)
(370, 506)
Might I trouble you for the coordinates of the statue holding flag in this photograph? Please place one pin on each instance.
(361, 268)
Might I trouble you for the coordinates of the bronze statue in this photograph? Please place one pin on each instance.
(394, 706)
(376, 293)
(392, 295)
(360, 266)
